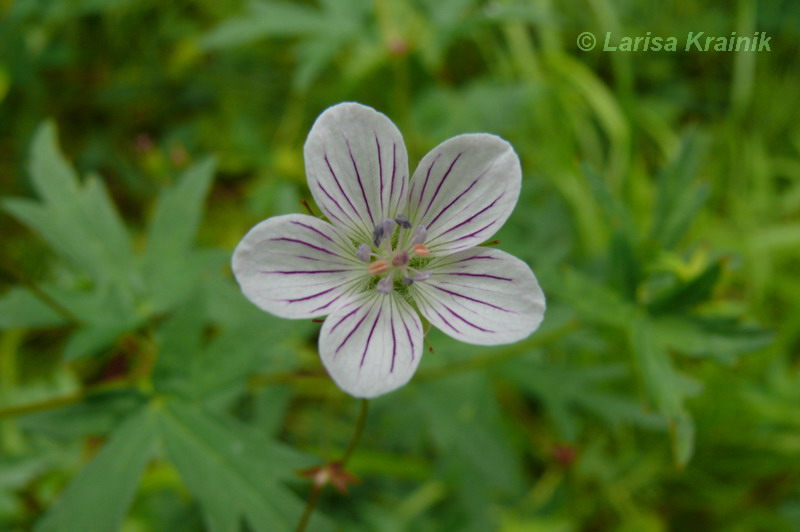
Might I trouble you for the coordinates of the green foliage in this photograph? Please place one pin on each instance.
(660, 211)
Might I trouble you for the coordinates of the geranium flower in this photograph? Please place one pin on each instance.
(393, 248)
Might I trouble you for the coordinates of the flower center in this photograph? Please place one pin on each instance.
(392, 255)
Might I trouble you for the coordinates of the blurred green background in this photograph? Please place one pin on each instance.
(139, 391)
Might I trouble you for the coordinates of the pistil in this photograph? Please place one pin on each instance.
(393, 255)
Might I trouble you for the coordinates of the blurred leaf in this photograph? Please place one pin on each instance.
(721, 339)
(99, 497)
(170, 266)
(20, 308)
(594, 301)
(677, 200)
(688, 294)
(234, 473)
(79, 223)
(264, 19)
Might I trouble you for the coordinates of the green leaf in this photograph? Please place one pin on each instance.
(79, 222)
(567, 390)
(233, 472)
(170, 266)
(677, 201)
(688, 294)
(706, 337)
(20, 308)
(99, 497)
(264, 19)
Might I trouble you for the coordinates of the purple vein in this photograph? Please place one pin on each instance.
(427, 176)
(313, 296)
(369, 338)
(336, 179)
(360, 184)
(328, 304)
(470, 298)
(311, 228)
(380, 169)
(457, 315)
(394, 338)
(408, 334)
(394, 169)
(473, 216)
(285, 272)
(358, 325)
(344, 318)
(441, 182)
(485, 227)
(482, 275)
(452, 202)
(304, 243)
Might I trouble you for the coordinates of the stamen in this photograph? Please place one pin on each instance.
(403, 221)
(400, 259)
(420, 235)
(421, 250)
(407, 281)
(385, 285)
(422, 276)
(382, 230)
(363, 253)
(378, 267)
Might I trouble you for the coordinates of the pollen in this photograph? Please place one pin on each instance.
(421, 250)
(378, 267)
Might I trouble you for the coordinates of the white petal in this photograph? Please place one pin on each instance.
(481, 296)
(464, 190)
(371, 345)
(296, 266)
(357, 168)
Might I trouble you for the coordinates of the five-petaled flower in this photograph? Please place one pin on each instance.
(393, 248)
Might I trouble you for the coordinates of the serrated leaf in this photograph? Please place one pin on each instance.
(234, 473)
(51, 174)
(99, 497)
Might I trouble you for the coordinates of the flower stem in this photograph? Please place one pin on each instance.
(316, 491)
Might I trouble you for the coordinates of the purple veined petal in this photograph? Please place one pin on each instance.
(296, 266)
(372, 344)
(481, 296)
(357, 168)
(464, 190)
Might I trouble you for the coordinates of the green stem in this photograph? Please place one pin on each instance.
(316, 491)
(64, 400)
(37, 291)
(362, 418)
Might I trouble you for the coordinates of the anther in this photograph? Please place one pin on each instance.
(385, 285)
(421, 250)
(421, 276)
(378, 267)
(403, 221)
(363, 252)
(420, 235)
(382, 230)
(400, 259)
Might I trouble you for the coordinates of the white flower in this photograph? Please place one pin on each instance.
(393, 247)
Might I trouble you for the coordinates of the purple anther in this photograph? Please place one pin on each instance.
(407, 281)
(403, 221)
(420, 235)
(422, 276)
(385, 285)
(363, 253)
(383, 230)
